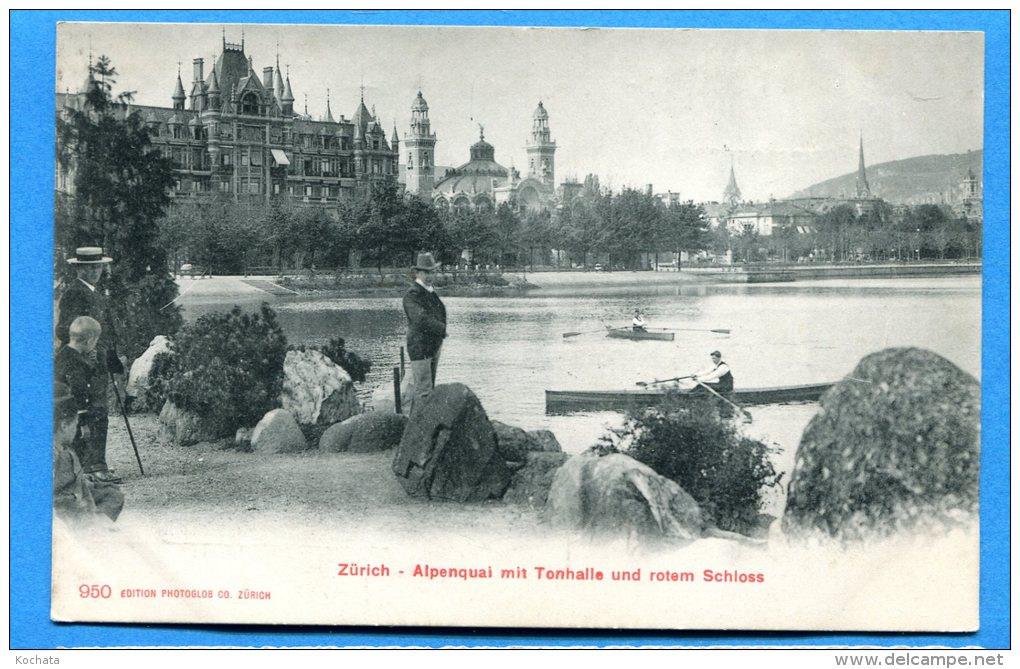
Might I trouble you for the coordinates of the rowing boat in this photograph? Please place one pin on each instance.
(627, 333)
(570, 401)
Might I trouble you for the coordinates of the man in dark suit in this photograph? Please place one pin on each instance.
(82, 297)
(426, 329)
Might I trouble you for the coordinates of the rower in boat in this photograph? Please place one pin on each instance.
(717, 377)
(639, 324)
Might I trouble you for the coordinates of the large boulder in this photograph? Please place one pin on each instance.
(617, 495)
(365, 433)
(513, 442)
(545, 441)
(278, 432)
(530, 484)
(316, 390)
(382, 396)
(894, 446)
(449, 449)
(141, 371)
(180, 427)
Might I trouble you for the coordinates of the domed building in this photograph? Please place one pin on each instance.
(481, 183)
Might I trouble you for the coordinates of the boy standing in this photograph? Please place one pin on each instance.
(78, 367)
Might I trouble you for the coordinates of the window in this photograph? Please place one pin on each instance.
(290, 190)
(177, 132)
(253, 187)
(308, 190)
(225, 186)
(256, 157)
(410, 159)
(325, 167)
(244, 158)
(250, 104)
(276, 189)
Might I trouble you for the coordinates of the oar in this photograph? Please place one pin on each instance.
(719, 330)
(574, 334)
(747, 414)
(645, 384)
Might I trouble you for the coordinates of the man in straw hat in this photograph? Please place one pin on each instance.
(426, 329)
(82, 297)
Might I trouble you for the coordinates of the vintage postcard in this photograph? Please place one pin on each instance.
(517, 327)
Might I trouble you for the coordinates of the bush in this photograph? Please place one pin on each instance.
(352, 363)
(689, 442)
(226, 367)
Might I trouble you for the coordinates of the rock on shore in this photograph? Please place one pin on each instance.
(895, 446)
(615, 495)
(449, 449)
(316, 390)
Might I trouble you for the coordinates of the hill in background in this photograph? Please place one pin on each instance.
(920, 180)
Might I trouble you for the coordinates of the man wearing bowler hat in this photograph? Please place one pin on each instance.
(426, 329)
(82, 297)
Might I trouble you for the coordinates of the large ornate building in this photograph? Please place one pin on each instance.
(238, 134)
(480, 183)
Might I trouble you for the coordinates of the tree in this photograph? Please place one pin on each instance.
(506, 234)
(537, 233)
(120, 191)
(685, 228)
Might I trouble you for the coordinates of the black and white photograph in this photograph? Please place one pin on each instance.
(517, 327)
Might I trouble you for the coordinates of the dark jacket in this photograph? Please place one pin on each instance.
(77, 300)
(84, 377)
(426, 322)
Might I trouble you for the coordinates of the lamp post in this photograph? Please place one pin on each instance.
(917, 249)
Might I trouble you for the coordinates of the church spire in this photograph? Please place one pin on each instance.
(732, 192)
(863, 190)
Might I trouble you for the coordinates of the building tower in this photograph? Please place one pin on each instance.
(863, 190)
(421, 145)
(178, 97)
(541, 149)
(731, 195)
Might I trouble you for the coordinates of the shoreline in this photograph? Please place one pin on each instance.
(520, 283)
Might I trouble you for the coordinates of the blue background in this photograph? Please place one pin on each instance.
(32, 87)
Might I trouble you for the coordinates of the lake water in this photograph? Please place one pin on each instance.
(510, 349)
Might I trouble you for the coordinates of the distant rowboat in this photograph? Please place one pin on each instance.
(628, 333)
(570, 401)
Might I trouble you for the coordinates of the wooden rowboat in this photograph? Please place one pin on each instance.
(571, 401)
(628, 333)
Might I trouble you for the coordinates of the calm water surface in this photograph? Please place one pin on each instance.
(509, 350)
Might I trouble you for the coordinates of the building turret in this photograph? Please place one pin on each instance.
(278, 83)
(420, 143)
(329, 113)
(214, 92)
(395, 139)
(541, 149)
(178, 96)
(288, 98)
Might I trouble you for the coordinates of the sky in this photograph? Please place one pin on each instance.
(668, 107)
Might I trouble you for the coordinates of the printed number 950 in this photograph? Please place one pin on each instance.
(94, 591)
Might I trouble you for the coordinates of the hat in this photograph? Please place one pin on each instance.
(715, 354)
(89, 255)
(426, 263)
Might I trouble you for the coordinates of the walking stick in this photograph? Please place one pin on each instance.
(747, 414)
(123, 412)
